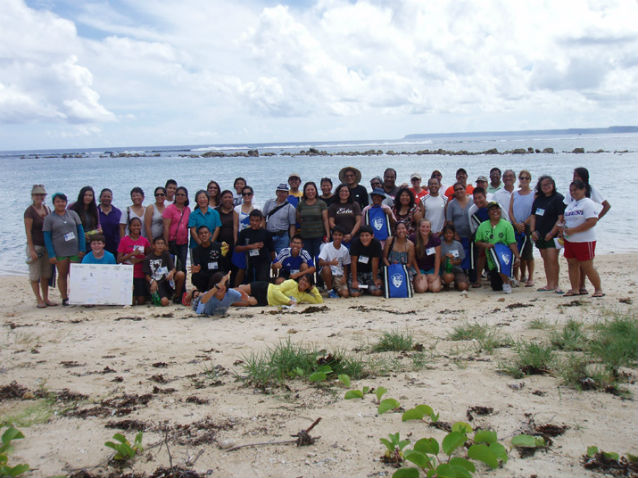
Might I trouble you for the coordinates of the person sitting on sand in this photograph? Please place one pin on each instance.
(208, 259)
(98, 254)
(293, 262)
(452, 255)
(217, 299)
(334, 260)
(289, 292)
(257, 244)
(160, 273)
(493, 232)
(365, 259)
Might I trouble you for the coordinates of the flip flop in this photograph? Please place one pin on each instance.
(598, 294)
(570, 293)
(529, 283)
(51, 304)
(582, 292)
(476, 285)
(559, 292)
(41, 306)
(544, 289)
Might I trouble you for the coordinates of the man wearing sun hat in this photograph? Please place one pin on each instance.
(294, 180)
(417, 190)
(351, 176)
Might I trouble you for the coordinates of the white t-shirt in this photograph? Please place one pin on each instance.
(576, 213)
(435, 211)
(330, 253)
(595, 196)
(504, 197)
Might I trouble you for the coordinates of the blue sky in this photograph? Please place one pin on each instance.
(157, 72)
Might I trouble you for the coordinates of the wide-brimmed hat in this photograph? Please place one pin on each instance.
(294, 175)
(38, 189)
(415, 176)
(378, 192)
(357, 174)
(283, 187)
(481, 178)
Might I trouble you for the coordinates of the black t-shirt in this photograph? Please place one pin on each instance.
(360, 195)
(251, 236)
(546, 210)
(365, 254)
(210, 258)
(157, 267)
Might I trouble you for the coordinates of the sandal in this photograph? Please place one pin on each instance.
(598, 294)
(529, 283)
(559, 292)
(51, 303)
(571, 293)
(544, 289)
(582, 292)
(476, 285)
(41, 306)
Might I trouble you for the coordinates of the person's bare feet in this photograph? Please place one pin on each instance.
(50, 303)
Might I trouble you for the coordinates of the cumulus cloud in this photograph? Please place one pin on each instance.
(227, 66)
(41, 78)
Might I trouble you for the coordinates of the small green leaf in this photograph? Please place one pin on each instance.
(462, 462)
(462, 427)
(427, 445)
(540, 441)
(365, 389)
(632, 458)
(387, 405)
(611, 455)
(325, 369)
(403, 444)
(379, 392)
(452, 471)
(481, 452)
(591, 451)
(419, 459)
(452, 441)
(353, 394)
(417, 413)
(387, 444)
(317, 376)
(10, 434)
(18, 470)
(485, 436)
(121, 438)
(499, 451)
(344, 379)
(406, 473)
(524, 441)
(299, 372)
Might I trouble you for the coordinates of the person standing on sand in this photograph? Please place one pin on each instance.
(171, 187)
(37, 257)
(504, 195)
(134, 210)
(109, 220)
(434, 206)
(389, 186)
(153, 220)
(294, 195)
(239, 184)
(280, 218)
(547, 216)
(519, 213)
(214, 194)
(64, 240)
(416, 189)
(495, 181)
(86, 208)
(351, 176)
(494, 231)
(461, 177)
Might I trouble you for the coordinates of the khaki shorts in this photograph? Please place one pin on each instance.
(338, 282)
(40, 268)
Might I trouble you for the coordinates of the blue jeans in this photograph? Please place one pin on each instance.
(280, 242)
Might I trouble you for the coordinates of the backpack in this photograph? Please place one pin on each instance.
(396, 282)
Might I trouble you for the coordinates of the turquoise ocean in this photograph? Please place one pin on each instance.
(610, 158)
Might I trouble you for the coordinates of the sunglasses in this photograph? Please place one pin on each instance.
(162, 194)
(526, 178)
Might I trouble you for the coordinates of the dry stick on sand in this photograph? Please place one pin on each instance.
(302, 439)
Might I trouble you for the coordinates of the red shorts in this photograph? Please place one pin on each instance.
(581, 251)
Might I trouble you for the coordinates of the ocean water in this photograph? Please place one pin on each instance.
(614, 172)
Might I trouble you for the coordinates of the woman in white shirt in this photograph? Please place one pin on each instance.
(580, 239)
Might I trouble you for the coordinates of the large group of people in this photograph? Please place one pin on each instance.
(307, 238)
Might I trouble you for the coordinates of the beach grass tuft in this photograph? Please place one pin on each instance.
(571, 338)
(394, 341)
(615, 342)
(468, 331)
(531, 358)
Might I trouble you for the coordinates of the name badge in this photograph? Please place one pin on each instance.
(253, 252)
(364, 259)
(212, 265)
(69, 236)
(430, 250)
(540, 212)
(455, 253)
(294, 271)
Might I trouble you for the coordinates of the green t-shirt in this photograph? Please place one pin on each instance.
(311, 219)
(503, 232)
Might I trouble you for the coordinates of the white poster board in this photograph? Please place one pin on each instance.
(101, 284)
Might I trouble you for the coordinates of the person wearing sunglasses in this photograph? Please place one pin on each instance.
(153, 220)
(520, 211)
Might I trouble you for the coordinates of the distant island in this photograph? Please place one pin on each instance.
(610, 129)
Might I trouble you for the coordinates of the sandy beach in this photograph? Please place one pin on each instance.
(177, 376)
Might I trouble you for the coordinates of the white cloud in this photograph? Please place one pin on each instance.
(179, 73)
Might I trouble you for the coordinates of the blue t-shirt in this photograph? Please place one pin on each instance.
(214, 306)
(107, 258)
(293, 264)
(197, 219)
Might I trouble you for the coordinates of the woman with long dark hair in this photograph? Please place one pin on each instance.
(176, 227)
(545, 221)
(345, 212)
(109, 220)
(312, 215)
(153, 220)
(86, 208)
(405, 210)
(214, 194)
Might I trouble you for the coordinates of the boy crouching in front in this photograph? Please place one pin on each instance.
(160, 273)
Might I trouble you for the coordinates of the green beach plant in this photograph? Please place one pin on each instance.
(394, 342)
(9, 435)
(124, 449)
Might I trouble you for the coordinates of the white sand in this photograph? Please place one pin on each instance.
(34, 343)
